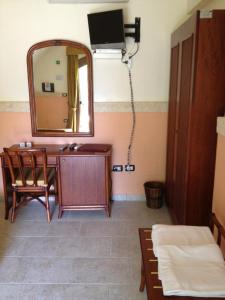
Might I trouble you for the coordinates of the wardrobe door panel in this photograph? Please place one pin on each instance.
(172, 127)
(183, 133)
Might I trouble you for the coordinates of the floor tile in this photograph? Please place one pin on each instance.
(53, 292)
(128, 292)
(10, 246)
(65, 270)
(125, 247)
(66, 247)
(23, 228)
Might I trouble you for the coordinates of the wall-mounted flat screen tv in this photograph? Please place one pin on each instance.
(106, 30)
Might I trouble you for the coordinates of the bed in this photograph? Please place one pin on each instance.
(149, 268)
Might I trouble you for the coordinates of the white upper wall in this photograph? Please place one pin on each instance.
(205, 4)
(25, 22)
(216, 4)
(192, 3)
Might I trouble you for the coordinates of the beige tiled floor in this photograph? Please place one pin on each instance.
(83, 256)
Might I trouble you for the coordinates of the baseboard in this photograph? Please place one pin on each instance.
(128, 197)
(114, 198)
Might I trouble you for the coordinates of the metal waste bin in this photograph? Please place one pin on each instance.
(154, 192)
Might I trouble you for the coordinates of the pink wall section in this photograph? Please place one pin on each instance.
(219, 184)
(148, 154)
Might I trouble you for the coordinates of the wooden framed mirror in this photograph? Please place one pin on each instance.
(60, 82)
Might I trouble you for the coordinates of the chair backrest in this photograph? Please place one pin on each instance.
(22, 162)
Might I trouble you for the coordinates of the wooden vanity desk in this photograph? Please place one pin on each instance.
(84, 176)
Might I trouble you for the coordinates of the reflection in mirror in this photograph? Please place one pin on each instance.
(60, 83)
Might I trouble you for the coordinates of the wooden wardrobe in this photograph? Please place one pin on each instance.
(197, 98)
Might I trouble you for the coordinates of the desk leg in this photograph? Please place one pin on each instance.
(108, 185)
(59, 189)
(108, 211)
(7, 193)
(142, 284)
(56, 189)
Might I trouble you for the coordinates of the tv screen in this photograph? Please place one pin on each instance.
(106, 29)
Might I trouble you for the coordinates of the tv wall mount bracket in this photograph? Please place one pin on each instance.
(136, 26)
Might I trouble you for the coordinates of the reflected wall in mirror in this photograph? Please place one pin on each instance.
(60, 89)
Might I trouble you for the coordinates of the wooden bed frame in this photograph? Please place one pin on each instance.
(149, 266)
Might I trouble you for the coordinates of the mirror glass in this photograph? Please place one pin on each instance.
(60, 87)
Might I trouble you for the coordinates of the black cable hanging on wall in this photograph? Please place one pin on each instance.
(133, 118)
(128, 63)
(127, 59)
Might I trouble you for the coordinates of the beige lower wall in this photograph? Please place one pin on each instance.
(219, 184)
(148, 153)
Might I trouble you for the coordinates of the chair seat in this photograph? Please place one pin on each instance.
(40, 177)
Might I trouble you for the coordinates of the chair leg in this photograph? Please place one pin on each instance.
(7, 208)
(60, 212)
(13, 207)
(56, 191)
(47, 206)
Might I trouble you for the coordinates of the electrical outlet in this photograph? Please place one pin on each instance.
(129, 168)
(117, 168)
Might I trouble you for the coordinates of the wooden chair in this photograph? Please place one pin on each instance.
(30, 177)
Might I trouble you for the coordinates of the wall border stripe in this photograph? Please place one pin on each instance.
(126, 106)
(147, 106)
(14, 106)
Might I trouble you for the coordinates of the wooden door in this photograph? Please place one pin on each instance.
(83, 180)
